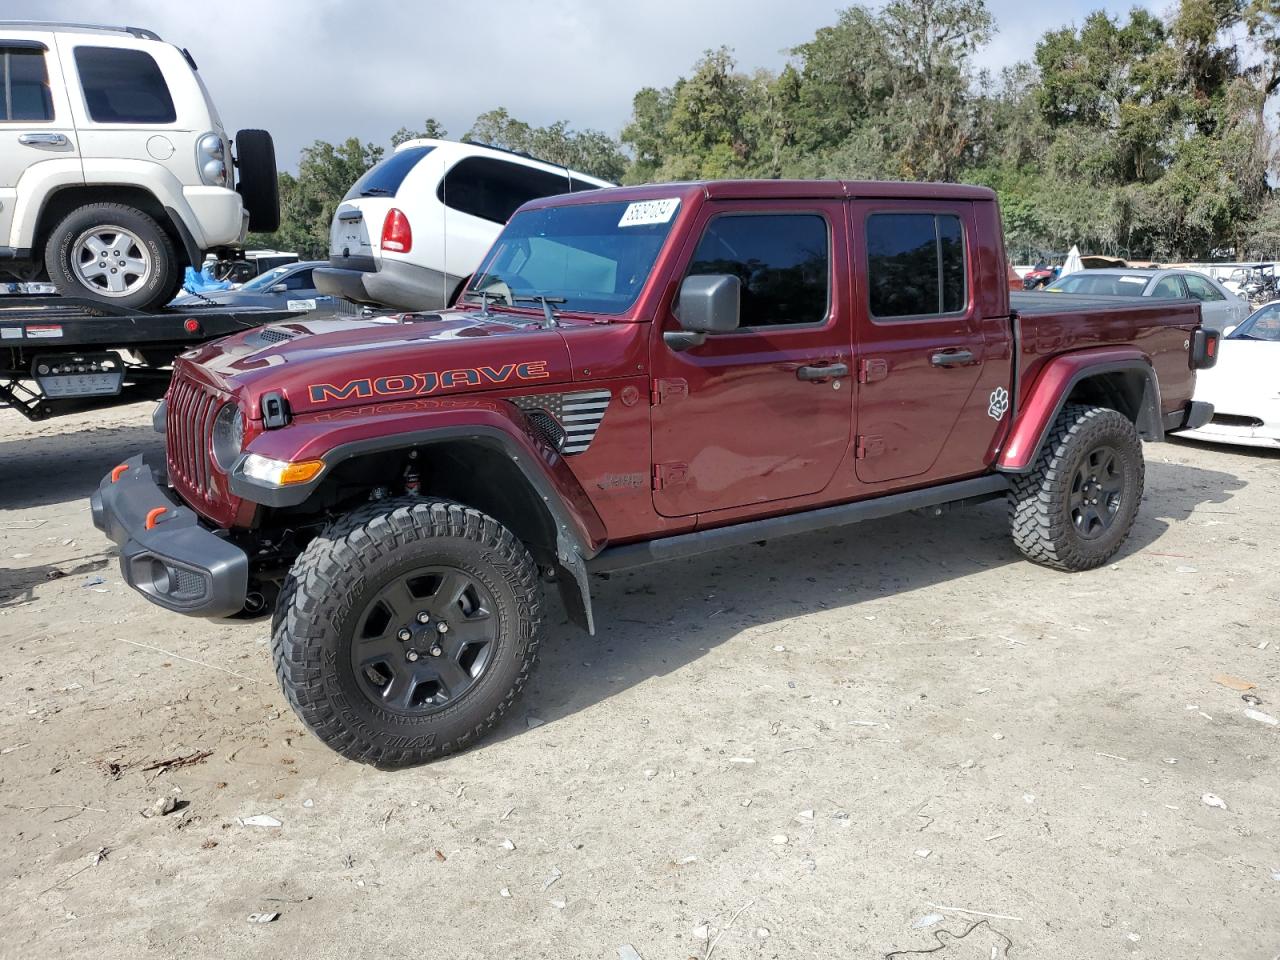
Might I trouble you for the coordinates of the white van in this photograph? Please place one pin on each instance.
(410, 231)
(115, 170)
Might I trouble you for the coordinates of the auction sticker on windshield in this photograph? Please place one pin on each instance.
(648, 211)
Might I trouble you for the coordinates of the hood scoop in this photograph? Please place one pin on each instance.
(269, 336)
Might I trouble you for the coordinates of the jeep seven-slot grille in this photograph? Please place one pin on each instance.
(189, 415)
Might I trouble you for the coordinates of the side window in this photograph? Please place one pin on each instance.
(494, 189)
(916, 264)
(299, 281)
(781, 259)
(1170, 288)
(1202, 289)
(123, 86)
(577, 186)
(25, 84)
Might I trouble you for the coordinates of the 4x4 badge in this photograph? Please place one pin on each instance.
(999, 403)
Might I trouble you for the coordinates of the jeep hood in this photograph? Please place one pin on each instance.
(321, 365)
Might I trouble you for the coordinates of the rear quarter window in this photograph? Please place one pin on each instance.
(494, 189)
(915, 265)
(24, 83)
(383, 179)
(123, 86)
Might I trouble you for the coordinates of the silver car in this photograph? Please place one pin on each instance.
(1219, 307)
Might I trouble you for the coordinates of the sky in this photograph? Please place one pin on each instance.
(330, 69)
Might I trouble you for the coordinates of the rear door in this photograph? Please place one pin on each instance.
(751, 417)
(35, 119)
(922, 349)
(1215, 308)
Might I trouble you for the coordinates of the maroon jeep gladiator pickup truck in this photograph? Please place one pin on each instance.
(633, 375)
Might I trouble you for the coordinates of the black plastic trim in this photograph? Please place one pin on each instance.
(176, 542)
(194, 254)
(622, 557)
(1194, 416)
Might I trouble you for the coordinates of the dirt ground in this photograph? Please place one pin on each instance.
(804, 749)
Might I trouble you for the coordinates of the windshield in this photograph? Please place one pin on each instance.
(266, 280)
(596, 256)
(1101, 284)
(1263, 324)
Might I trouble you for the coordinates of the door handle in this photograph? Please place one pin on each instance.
(825, 371)
(951, 358)
(43, 139)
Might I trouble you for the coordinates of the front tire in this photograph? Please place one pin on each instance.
(114, 254)
(406, 630)
(1075, 507)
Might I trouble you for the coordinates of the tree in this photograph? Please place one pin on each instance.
(431, 130)
(590, 151)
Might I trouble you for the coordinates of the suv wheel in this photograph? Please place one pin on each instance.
(1078, 503)
(406, 630)
(114, 254)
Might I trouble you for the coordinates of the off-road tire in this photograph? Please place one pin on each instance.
(256, 179)
(166, 274)
(1039, 501)
(331, 582)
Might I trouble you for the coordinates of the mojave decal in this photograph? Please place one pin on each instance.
(421, 384)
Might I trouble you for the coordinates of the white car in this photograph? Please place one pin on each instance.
(115, 169)
(1244, 385)
(411, 231)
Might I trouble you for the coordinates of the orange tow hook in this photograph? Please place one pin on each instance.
(153, 516)
(116, 471)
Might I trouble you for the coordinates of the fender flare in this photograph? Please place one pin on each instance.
(1049, 393)
(579, 531)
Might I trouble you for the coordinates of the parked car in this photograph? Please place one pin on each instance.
(115, 171)
(278, 289)
(411, 231)
(1244, 387)
(633, 375)
(1219, 306)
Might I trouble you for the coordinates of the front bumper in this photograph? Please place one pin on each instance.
(175, 563)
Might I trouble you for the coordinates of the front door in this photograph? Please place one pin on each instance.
(761, 414)
(35, 121)
(920, 341)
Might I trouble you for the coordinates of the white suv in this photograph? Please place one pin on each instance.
(115, 170)
(417, 224)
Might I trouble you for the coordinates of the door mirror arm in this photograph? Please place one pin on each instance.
(682, 340)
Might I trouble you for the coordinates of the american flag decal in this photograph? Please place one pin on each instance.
(577, 415)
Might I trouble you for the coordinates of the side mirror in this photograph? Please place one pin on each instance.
(711, 303)
(279, 288)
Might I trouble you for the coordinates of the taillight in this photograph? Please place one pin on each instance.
(396, 235)
(1204, 349)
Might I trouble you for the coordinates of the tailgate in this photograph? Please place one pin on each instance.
(350, 244)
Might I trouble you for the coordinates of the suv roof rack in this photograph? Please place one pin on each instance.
(138, 32)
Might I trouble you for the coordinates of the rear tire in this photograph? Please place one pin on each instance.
(357, 638)
(114, 254)
(1075, 507)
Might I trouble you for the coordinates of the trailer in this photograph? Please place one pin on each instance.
(61, 354)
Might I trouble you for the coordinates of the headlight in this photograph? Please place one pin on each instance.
(228, 437)
(211, 158)
(279, 473)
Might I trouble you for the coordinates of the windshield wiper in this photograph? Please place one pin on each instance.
(375, 192)
(549, 317)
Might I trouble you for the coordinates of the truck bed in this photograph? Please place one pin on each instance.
(1049, 324)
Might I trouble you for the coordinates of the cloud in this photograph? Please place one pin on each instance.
(329, 69)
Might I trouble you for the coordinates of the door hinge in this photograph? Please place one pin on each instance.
(669, 475)
(666, 390)
(867, 447)
(872, 369)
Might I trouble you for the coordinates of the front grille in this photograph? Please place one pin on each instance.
(189, 414)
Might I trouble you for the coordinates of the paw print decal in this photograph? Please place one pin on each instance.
(999, 403)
